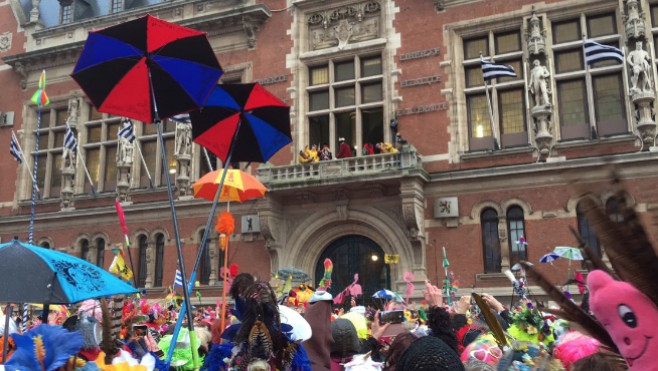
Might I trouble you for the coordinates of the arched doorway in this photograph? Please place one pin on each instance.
(355, 254)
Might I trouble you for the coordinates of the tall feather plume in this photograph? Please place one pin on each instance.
(592, 258)
(627, 245)
(107, 344)
(491, 320)
(325, 282)
(570, 310)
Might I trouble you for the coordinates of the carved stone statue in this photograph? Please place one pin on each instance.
(640, 63)
(74, 112)
(68, 179)
(68, 158)
(634, 20)
(183, 139)
(535, 36)
(539, 84)
(124, 151)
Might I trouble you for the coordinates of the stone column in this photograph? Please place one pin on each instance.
(150, 263)
(213, 254)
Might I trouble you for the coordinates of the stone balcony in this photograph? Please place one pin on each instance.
(340, 171)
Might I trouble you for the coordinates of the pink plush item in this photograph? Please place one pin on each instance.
(92, 308)
(574, 346)
(629, 316)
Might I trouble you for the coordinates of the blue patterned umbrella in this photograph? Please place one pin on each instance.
(297, 274)
(387, 294)
(33, 274)
(549, 258)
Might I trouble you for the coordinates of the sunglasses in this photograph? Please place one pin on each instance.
(486, 354)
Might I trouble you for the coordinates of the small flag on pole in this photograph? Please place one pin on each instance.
(69, 140)
(178, 281)
(13, 149)
(491, 70)
(127, 130)
(595, 52)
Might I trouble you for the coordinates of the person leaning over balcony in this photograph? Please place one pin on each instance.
(368, 149)
(345, 150)
(303, 157)
(313, 153)
(385, 147)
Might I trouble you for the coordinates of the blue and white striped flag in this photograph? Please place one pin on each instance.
(595, 52)
(69, 140)
(127, 131)
(178, 281)
(14, 149)
(491, 70)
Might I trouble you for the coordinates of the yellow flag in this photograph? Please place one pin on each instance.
(120, 268)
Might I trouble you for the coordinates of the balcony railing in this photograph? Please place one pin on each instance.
(378, 166)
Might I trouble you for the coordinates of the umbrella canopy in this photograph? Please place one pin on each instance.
(301, 330)
(571, 253)
(33, 274)
(245, 118)
(146, 69)
(549, 258)
(387, 294)
(297, 274)
(238, 186)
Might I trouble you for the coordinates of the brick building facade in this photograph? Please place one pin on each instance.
(363, 71)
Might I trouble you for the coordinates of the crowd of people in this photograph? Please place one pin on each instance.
(314, 153)
(267, 331)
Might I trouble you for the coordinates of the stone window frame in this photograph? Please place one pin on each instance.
(77, 246)
(45, 241)
(66, 11)
(155, 259)
(496, 87)
(117, 6)
(556, 16)
(141, 278)
(93, 247)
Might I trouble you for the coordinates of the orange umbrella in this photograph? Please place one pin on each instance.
(238, 186)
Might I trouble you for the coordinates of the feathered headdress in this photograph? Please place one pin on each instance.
(325, 282)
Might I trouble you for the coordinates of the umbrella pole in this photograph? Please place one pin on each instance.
(179, 251)
(206, 234)
(5, 339)
(30, 235)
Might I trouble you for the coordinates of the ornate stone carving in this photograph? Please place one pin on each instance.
(124, 159)
(639, 62)
(21, 70)
(342, 203)
(73, 112)
(644, 116)
(68, 168)
(642, 93)
(539, 84)
(150, 263)
(343, 25)
(250, 28)
(183, 155)
(34, 13)
(535, 35)
(413, 199)
(5, 41)
(634, 20)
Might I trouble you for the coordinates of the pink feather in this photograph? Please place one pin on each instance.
(408, 278)
(339, 299)
(122, 216)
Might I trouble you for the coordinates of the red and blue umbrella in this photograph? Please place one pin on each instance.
(243, 120)
(147, 69)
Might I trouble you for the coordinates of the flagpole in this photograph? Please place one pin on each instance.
(205, 152)
(491, 117)
(141, 156)
(33, 207)
(588, 77)
(27, 167)
(79, 158)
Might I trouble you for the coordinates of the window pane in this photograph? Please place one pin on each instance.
(510, 104)
(94, 133)
(371, 67)
(45, 118)
(169, 147)
(59, 138)
(92, 157)
(100, 247)
(149, 129)
(319, 75)
(344, 71)
(478, 116)
(372, 125)
(61, 116)
(319, 100)
(84, 250)
(506, 43)
(601, 25)
(586, 231)
(94, 114)
(113, 130)
(608, 96)
(571, 98)
(473, 48)
(344, 96)
(55, 174)
(474, 76)
(566, 31)
(110, 168)
(204, 266)
(150, 151)
(569, 61)
(345, 127)
(141, 265)
(159, 259)
(41, 171)
(517, 69)
(318, 129)
(371, 93)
